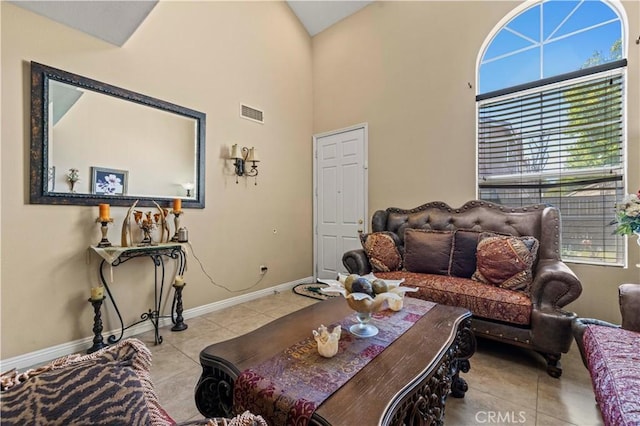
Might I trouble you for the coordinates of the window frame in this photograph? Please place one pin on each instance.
(574, 76)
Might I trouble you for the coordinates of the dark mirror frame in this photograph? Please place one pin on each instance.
(39, 194)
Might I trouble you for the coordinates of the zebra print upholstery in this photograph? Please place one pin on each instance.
(108, 387)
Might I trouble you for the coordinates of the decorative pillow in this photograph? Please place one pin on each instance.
(463, 253)
(506, 261)
(382, 250)
(427, 251)
(110, 386)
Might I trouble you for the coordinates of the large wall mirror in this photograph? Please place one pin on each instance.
(96, 143)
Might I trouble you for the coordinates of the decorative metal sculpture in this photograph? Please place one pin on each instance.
(158, 220)
(126, 238)
(164, 226)
(146, 224)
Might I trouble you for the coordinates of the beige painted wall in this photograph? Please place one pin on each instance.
(0, 186)
(208, 56)
(405, 68)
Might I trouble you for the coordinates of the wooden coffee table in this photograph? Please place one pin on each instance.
(407, 383)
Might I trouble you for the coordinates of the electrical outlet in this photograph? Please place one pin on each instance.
(263, 269)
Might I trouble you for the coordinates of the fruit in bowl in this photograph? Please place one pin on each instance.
(362, 285)
(366, 295)
(379, 286)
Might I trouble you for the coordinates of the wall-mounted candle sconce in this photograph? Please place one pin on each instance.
(243, 155)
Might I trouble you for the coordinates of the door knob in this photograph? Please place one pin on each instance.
(360, 221)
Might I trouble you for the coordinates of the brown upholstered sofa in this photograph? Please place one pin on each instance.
(441, 264)
(611, 353)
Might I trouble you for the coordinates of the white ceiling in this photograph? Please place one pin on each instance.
(115, 21)
(111, 21)
(318, 15)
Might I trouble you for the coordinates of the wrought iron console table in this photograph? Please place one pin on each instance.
(114, 256)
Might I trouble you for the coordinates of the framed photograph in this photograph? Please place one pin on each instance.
(108, 181)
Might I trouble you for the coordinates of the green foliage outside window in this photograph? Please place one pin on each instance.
(596, 127)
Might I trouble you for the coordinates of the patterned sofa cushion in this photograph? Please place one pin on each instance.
(483, 300)
(613, 360)
(110, 387)
(506, 261)
(382, 250)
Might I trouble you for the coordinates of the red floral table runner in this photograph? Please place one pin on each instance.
(287, 389)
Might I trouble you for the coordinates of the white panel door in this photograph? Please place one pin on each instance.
(340, 197)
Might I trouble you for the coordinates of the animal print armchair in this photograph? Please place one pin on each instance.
(111, 386)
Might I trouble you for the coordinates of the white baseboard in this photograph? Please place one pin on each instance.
(43, 356)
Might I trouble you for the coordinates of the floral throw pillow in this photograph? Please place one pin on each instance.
(382, 251)
(506, 261)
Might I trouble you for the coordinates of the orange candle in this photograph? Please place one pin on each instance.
(177, 205)
(104, 212)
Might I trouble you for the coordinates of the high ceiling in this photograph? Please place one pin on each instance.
(317, 16)
(111, 21)
(116, 21)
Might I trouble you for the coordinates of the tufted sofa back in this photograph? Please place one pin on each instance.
(539, 221)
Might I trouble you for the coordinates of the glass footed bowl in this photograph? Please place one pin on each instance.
(365, 305)
(362, 302)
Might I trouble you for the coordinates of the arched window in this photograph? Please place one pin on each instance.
(551, 109)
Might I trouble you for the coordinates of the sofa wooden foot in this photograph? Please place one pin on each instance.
(554, 368)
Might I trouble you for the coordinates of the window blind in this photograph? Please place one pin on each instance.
(560, 144)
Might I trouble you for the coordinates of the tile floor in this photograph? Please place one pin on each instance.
(507, 385)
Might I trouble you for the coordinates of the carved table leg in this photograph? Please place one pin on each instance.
(459, 385)
(214, 393)
(465, 348)
(425, 404)
(428, 409)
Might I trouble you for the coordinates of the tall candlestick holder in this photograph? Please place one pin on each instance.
(98, 341)
(176, 222)
(104, 228)
(179, 324)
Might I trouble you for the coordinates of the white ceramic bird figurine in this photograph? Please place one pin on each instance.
(327, 341)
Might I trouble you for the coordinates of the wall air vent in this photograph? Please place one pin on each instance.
(251, 113)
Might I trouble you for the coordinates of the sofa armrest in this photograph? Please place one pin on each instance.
(554, 285)
(356, 262)
(579, 326)
(629, 297)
